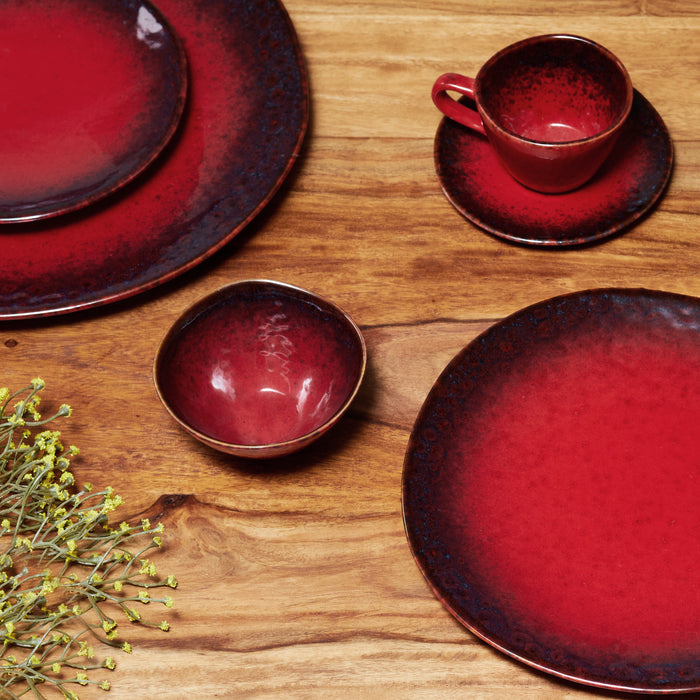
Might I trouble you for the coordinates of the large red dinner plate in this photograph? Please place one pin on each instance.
(551, 488)
(92, 90)
(242, 130)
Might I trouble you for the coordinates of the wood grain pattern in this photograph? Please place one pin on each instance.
(296, 580)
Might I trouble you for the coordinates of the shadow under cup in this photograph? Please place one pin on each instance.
(552, 107)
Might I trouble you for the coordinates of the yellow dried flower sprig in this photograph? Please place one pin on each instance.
(65, 571)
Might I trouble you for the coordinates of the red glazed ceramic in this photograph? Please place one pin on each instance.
(552, 107)
(550, 488)
(260, 368)
(93, 91)
(627, 186)
(241, 134)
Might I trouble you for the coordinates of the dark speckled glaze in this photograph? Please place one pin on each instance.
(93, 92)
(627, 186)
(552, 107)
(243, 127)
(550, 488)
(260, 368)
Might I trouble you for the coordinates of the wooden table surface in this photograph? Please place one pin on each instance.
(295, 576)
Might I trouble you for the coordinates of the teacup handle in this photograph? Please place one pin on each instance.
(450, 107)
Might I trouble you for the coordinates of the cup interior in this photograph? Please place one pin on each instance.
(554, 89)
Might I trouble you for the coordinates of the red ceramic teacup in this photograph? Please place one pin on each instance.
(552, 107)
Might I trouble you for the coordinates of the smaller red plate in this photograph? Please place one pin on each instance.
(551, 488)
(627, 186)
(93, 91)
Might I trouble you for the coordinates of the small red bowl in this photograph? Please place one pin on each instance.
(260, 368)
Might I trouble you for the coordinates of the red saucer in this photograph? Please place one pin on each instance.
(628, 185)
(93, 92)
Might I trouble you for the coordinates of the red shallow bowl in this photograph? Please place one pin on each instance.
(260, 368)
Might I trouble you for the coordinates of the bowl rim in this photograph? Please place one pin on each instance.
(199, 305)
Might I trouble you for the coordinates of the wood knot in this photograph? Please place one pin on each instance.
(173, 500)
